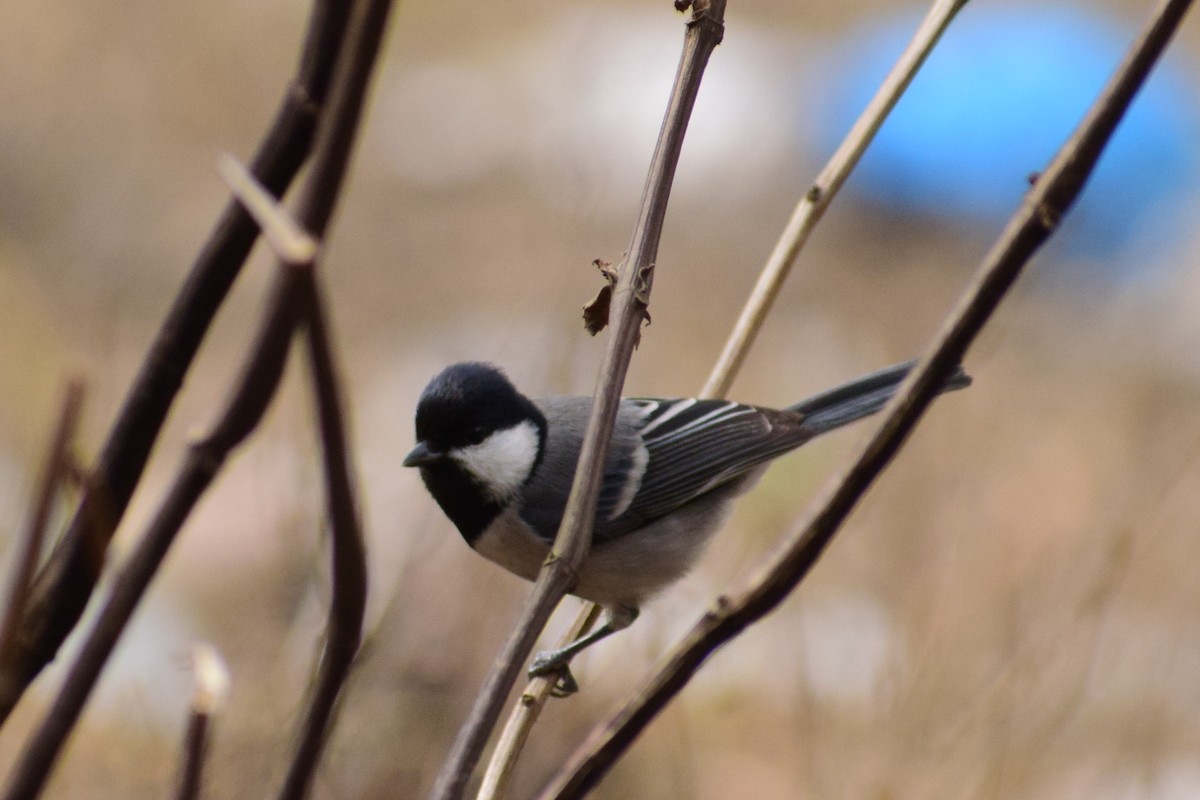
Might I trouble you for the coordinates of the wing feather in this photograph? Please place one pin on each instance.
(664, 454)
(694, 446)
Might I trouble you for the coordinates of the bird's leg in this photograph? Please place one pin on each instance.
(557, 662)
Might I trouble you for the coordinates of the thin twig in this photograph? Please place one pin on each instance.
(811, 208)
(629, 299)
(332, 151)
(65, 583)
(343, 632)
(210, 685)
(56, 469)
(525, 713)
(294, 246)
(472, 737)
(1038, 216)
(284, 235)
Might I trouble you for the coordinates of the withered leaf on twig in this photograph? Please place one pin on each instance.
(595, 313)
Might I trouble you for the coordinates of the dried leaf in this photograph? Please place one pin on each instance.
(595, 313)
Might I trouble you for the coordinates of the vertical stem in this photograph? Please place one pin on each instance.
(630, 298)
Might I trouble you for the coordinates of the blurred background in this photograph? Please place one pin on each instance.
(1013, 611)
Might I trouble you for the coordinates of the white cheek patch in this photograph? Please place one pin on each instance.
(503, 461)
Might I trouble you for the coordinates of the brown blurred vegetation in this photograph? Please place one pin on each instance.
(1013, 612)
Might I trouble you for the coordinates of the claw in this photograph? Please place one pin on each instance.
(566, 685)
(555, 662)
(552, 665)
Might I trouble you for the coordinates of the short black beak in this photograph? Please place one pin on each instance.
(421, 454)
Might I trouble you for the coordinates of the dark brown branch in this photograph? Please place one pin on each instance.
(339, 127)
(295, 247)
(65, 584)
(1052, 196)
(290, 304)
(195, 750)
(630, 298)
(635, 279)
(211, 681)
(334, 146)
(244, 410)
(56, 470)
(343, 633)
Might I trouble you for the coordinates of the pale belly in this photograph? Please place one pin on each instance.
(622, 571)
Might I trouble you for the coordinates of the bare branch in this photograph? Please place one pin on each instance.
(64, 585)
(1049, 199)
(294, 246)
(334, 146)
(56, 469)
(249, 400)
(290, 242)
(343, 633)
(525, 713)
(210, 685)
(807, 214)
(829, 181)
(290, 304)
(629, 300)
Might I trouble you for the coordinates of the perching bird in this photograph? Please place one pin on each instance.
(501, 465)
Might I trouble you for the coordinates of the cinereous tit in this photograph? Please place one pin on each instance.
(500, 465)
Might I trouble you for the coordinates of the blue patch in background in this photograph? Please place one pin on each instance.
(996, 99)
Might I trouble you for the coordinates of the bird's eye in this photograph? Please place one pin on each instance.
(476, 434)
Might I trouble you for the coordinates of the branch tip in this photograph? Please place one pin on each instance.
(287, 239)
(210, 681)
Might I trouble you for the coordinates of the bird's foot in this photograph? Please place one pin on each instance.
(552, 664)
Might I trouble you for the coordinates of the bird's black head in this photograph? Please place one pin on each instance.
(468, 402)
(478, 441)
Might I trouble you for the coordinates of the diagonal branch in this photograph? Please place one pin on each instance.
(629, 300)
(65, 584)
(294, 247)
(1051, 197)
(56, 468)
(805, 217)
(248, 401)
(811, 208)
(525, 713)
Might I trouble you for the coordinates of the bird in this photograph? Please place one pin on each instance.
(500, 465)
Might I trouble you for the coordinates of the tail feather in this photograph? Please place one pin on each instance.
(863, 397)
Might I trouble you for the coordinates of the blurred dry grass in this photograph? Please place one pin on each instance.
(1012, 613)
